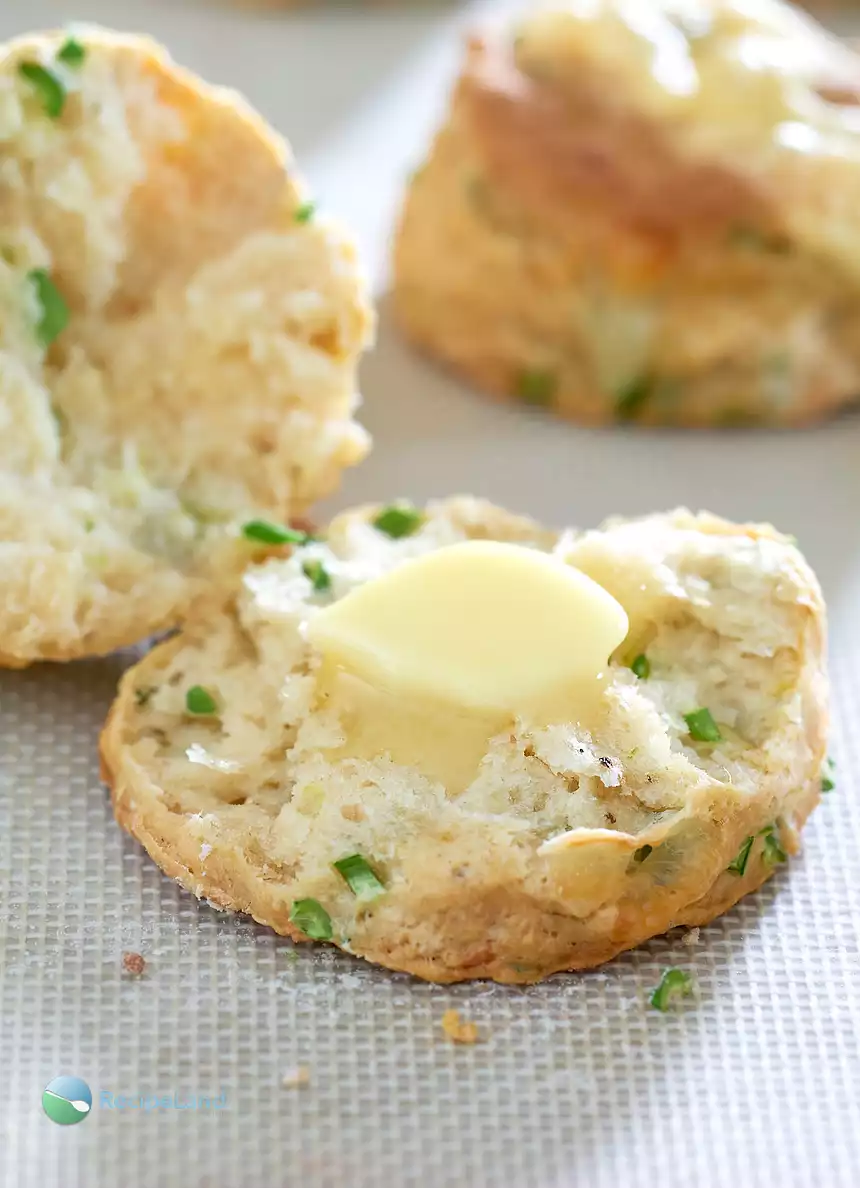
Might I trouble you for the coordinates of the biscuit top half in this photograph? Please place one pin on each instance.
(750, 85)
(179, 337)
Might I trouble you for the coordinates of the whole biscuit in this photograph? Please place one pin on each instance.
(584, 238)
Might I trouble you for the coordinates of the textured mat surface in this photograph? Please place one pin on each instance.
(577, 1083)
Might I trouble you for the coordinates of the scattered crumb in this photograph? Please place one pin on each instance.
(690, 938)
(133, 964)
(352, 812)
(297, 1077)
(458, 1032)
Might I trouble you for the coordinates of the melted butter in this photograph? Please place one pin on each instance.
(433, 659)
(442, 741)
(743, 81)
(728, 73)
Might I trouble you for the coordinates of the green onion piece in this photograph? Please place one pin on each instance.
(60, 420)
(752, 239)
(631, 397)
(71, 52)
(702, 726)
(200, 701)
(828, 776)
(674, 984)
(641, 667)
(536, 388)
(262, 532)
(47, 86)
(54, 315)
(773, 853)
(642, 853)
(311, 917)
(360, 877)
(305, 212)
(739, 865)
(317, 575)
(399, 520)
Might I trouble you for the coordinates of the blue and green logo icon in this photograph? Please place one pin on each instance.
(67, 1100)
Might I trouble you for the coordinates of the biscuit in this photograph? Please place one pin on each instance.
(567, 847)
(179, 337)
(627, 222)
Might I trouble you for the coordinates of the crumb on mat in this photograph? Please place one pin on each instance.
(297, 1077)
(133, 964)
(457, 1031)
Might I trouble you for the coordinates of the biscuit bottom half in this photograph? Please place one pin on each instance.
(566, 845)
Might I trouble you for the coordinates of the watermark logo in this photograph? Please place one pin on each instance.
(162, 1101)
(67, 1100)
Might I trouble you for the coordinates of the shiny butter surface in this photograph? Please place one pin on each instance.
(430, 660)
(489, 627)
(732, 75)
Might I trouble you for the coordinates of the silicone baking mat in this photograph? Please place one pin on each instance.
(575, 1083)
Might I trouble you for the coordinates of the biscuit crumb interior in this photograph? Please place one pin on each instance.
(584, 821)
(201, 367)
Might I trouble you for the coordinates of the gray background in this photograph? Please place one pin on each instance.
(577, 1082)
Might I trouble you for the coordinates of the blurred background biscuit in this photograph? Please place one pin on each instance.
(650, 219)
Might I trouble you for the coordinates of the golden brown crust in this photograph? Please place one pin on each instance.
(570, 149)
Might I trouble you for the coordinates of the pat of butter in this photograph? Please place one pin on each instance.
(492, 629)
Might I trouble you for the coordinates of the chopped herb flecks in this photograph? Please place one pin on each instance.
(631, 398)
(60, 420)
(828, 776)
(702, 726)
(641, 667)
(642, 853)
(360, 877)
(71, 52)
(47, 85)
(773, 853)
(54, 313)
(200, 701)
(739, 865)
(305, 212)
(674, 984)
(398, 520)
(536, 387)
(263, 532)
(312, 918)
(317, 575)
(752, 239)
(144, 695)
